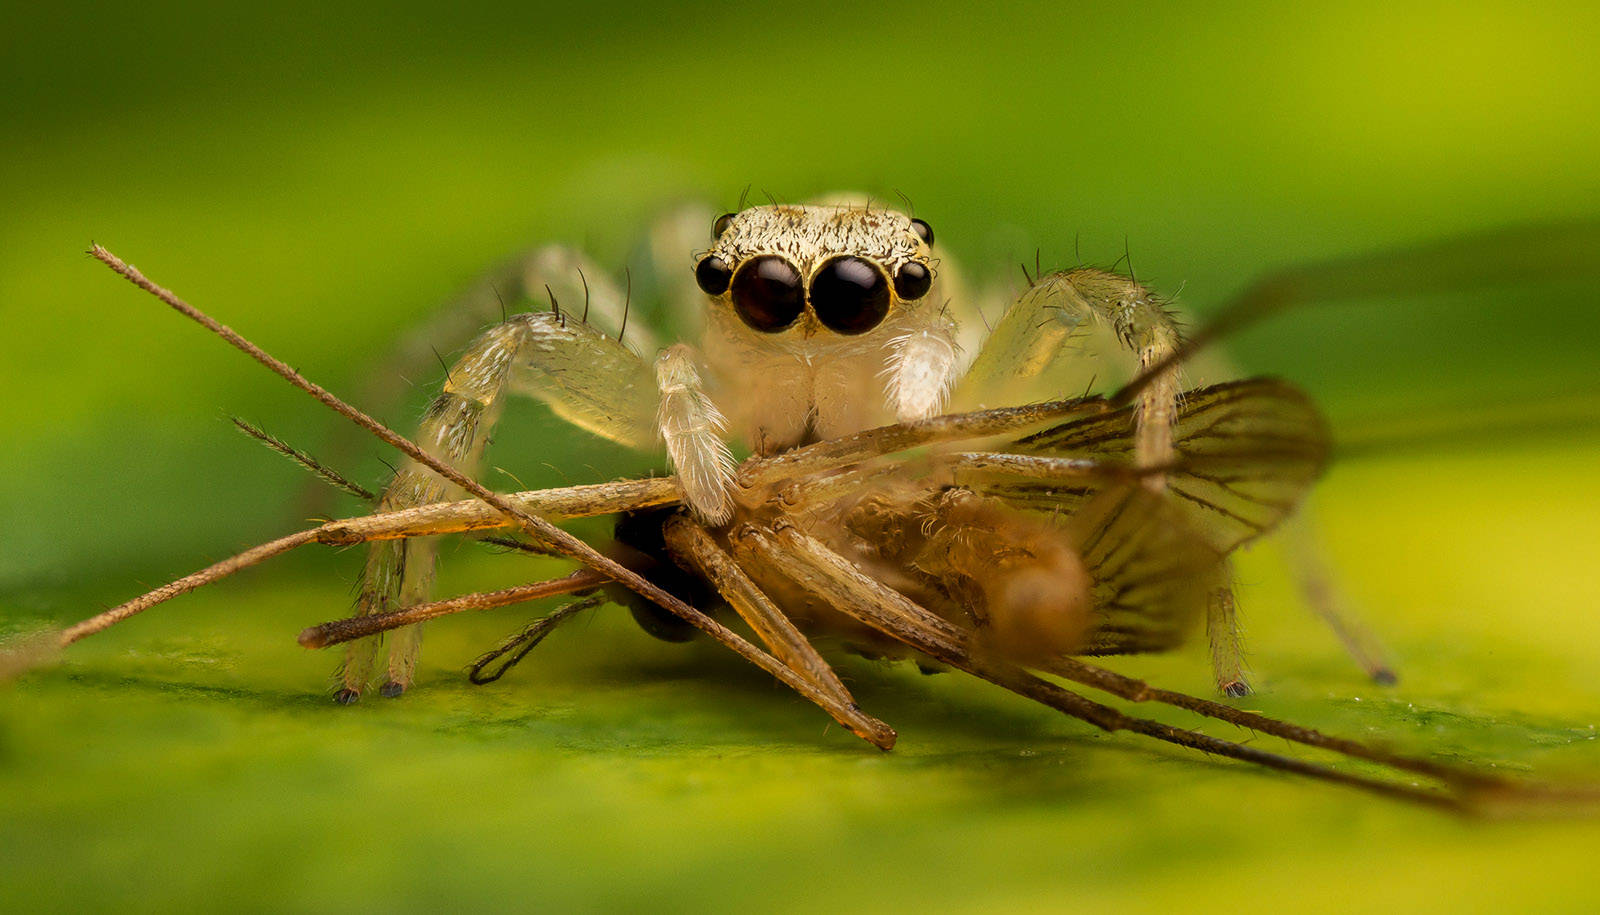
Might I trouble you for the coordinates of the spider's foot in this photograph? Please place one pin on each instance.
(347, 696)
(1383, 676)
(1236, 689)
(392, 689)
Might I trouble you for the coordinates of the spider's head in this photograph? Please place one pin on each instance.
(816, 268)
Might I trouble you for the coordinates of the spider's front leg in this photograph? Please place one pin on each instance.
(1065, 308)
(586, 377)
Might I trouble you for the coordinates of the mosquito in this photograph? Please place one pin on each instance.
(893, 499)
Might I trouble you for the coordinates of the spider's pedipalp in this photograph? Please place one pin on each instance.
(693, 430)
(920, 372)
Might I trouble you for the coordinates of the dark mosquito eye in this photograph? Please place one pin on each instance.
(712, 274)
(721, 225)
(850, 295)
(923, 230)
(767, 293)
(912, 280)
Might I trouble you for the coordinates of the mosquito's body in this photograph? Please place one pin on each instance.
(1015, 534)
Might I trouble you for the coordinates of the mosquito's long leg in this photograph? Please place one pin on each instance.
(525, 640)
(833, 578)
(821, 686)
(356, 627)
(1039, 467)
(18, 659)
(1322, 595)
(424, 520)
(474, 515)
(1508, 256)
(759, 472)
(1138, 691)
(690, 543)
(1109, 719)
(184, 585)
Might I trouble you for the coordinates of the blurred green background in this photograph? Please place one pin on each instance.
(321, 176)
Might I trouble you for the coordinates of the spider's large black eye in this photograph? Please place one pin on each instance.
(767, 293)
(912, 280)
(923, 230)
(850, 295)
(721, 225)
(712, 274)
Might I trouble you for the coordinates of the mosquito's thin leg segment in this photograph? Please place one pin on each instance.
(445, 517)
(835, 579)
(184, 585)
(1109, 719)
(1518, 255)
(525, 641)
(475, 515)
(761, 472)
(1138, 691)
(1227, 648)
(355, 627)
(1322, 596)
(812, 565)
(360, 627)
(692, 544)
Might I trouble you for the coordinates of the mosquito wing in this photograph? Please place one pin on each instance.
(1246, 452)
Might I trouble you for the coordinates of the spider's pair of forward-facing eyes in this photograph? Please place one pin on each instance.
(850, 295)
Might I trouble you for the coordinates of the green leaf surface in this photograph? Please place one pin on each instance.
(322, 177)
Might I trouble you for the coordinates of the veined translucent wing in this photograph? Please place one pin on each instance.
(1246, 452)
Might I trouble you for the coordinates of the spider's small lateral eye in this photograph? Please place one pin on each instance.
(721, 224)
(912, 281)
(850, 295)
(923, 230)
(767, 293)
(712, 274)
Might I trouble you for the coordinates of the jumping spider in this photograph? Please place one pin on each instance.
(908, 491)
(823, 321)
